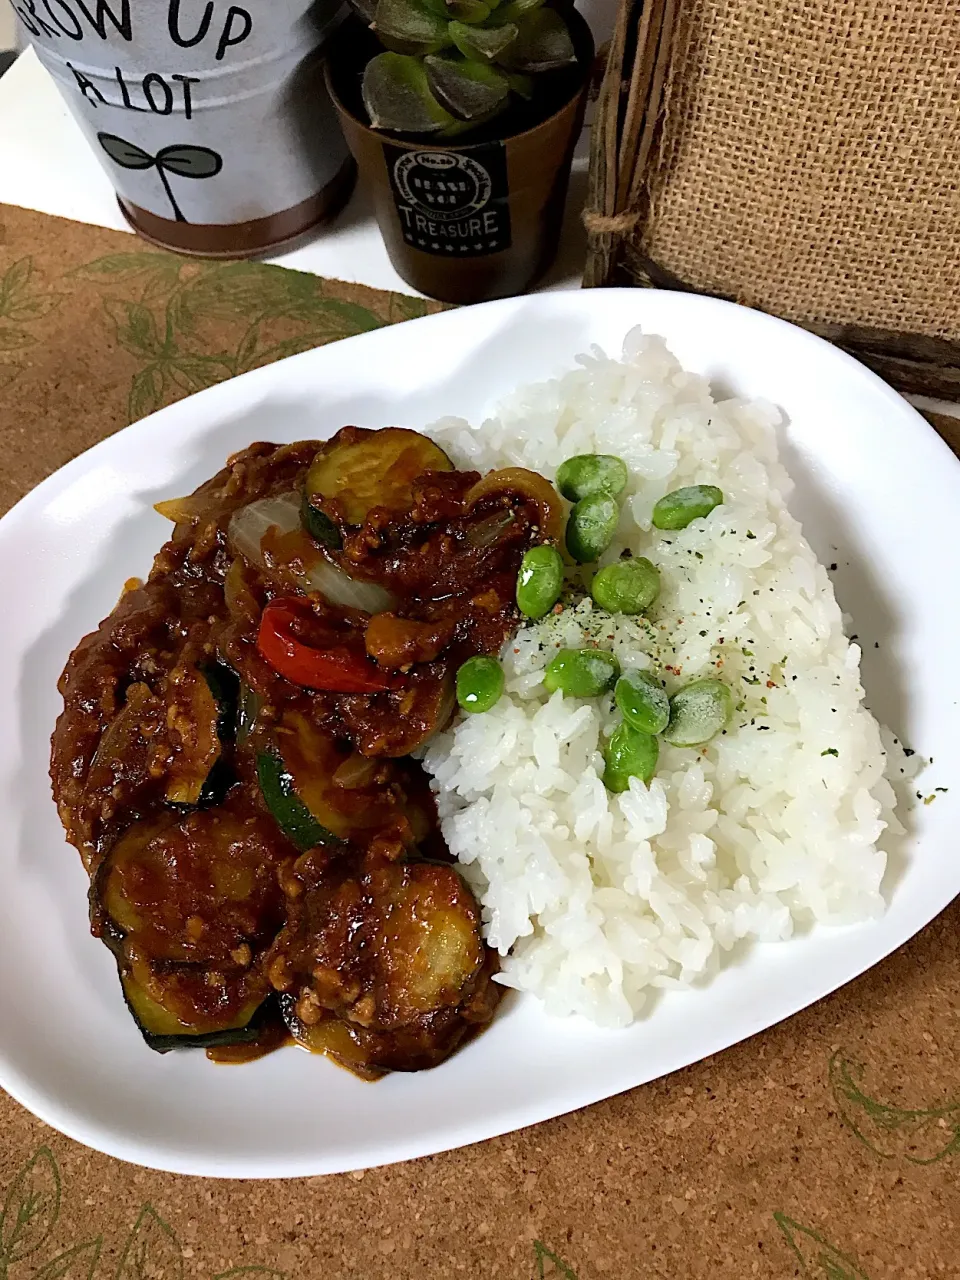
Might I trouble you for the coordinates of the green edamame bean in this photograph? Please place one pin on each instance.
(643, 702)
(629, 754)
(628, 586)
(479, 684)
(676, 510)
(592, 473)
(539, 581)
(591, 526)
(581, 673)
(698, 712)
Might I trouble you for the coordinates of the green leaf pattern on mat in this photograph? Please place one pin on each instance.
(818, 1259)
(22, 301)
(922, 1136)
(30, 1210)
(549, 1266)
(164, 327)
(151, 1251)
(264, 1272)
(78, 1263)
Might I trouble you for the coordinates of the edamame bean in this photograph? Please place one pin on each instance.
(643, 702)
(592, 473)
(539, 581)
(479, 684)
(698, 712)
(591, 526)
(628, 586)
(676, 510)
(581, 673)
(629, 754)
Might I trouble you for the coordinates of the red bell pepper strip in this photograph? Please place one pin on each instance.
(334, 670)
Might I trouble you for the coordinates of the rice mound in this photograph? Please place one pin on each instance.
(594, 899)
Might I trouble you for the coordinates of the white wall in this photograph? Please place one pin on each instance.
(6, 25)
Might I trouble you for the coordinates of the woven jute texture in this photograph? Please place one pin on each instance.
(806, 163)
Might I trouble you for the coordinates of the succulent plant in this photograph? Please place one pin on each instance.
(452, 65)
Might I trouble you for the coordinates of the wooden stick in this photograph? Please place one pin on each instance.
(602, 179)
(654, 103)
(644, 61)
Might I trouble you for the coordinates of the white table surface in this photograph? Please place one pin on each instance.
(46, 164)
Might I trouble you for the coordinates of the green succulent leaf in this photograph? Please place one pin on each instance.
(410, 27)
(522, 86)
(483, 44)
(397, 96)
(514, 10)
(471, 91)
(468, 11)
(543, 44)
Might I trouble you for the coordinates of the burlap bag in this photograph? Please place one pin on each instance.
(799, 156)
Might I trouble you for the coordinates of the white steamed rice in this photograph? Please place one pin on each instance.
(595, 899)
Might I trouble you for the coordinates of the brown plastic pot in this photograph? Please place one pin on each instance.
(473, 220)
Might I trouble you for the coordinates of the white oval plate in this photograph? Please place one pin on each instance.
(878, 493)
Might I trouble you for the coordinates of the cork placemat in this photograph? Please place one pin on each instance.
(827, 1147)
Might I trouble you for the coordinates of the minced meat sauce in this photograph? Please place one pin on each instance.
(232, 760)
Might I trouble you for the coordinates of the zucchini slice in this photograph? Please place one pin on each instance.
(388, 971)
(224, 683)
(349, 1047)
(289, 812)
(193, 716)
(163, 1030)
(212, 696)
(359, 470)
(305, 781)
(188, 905)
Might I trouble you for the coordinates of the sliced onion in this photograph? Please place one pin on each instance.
(249, 524)
(180, 510)
(338, 588)
(530, 485)
(356, 772)
(245, 534)
(488, 531)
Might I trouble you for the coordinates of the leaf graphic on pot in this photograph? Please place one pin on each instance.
(126, 154)
(180, 159)
(922, 1136)
(819, 1259)
(190, 162)
(31, 1209)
